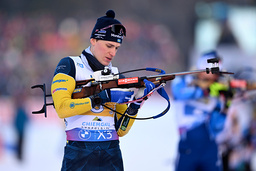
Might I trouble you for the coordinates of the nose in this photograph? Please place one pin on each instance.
(112, 52)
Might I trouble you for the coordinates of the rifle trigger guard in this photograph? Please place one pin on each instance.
(163, 82)
(100, 86)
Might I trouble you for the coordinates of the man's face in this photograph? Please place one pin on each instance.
(104, 51)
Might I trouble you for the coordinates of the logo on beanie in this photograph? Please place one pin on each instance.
(117, 36)
(102, 31)
(99, 36)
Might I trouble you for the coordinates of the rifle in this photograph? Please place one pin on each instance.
(104, 80)
(242, 84)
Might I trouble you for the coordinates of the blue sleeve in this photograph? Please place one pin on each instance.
(182, 91)
(66, 66)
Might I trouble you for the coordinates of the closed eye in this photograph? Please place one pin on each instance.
(112, 46)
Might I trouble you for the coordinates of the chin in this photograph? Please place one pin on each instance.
(106, 63)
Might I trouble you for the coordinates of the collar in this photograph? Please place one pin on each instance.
(88, 58)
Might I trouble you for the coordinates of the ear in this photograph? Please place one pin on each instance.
(92, 41)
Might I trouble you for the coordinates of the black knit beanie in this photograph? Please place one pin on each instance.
(108, 28)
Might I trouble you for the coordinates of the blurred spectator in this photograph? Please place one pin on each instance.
(20, 121)
(29, 46)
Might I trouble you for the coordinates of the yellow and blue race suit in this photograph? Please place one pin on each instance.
(85, 125)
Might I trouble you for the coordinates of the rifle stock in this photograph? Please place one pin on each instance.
(132, 82)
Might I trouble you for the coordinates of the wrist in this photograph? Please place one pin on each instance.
(135, 105)
(132, 110)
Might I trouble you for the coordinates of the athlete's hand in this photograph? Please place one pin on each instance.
(113, 95)
(121, 95)
(144, 91)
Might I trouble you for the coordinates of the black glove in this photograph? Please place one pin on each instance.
(100, 98)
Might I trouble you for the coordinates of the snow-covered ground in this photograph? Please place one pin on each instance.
(150, 145)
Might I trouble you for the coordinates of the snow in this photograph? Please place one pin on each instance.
(150, 144)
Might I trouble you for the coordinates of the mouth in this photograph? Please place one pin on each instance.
(109, 59)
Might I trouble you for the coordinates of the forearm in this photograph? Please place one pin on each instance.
(62, 88)
(124, 122)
